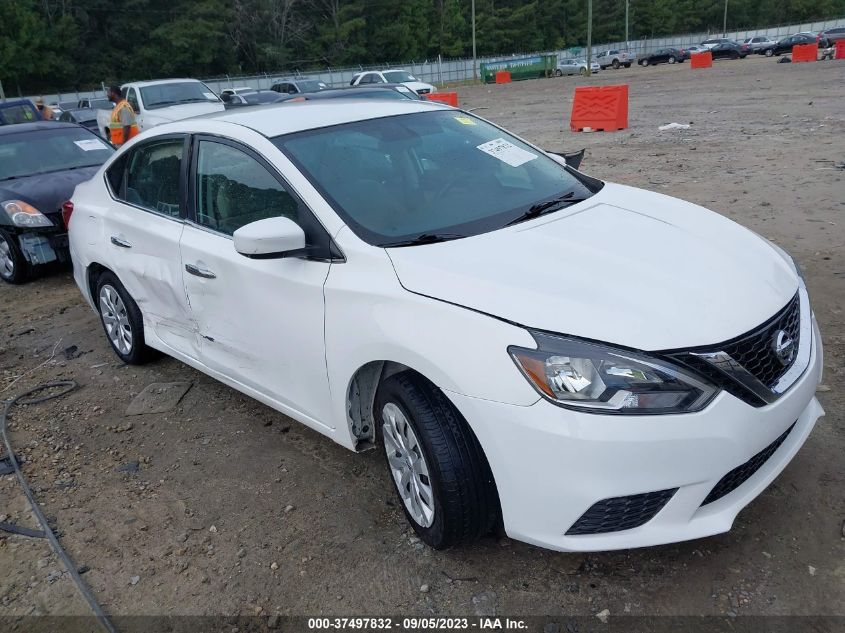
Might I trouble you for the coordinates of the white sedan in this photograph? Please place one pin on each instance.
(592, 365)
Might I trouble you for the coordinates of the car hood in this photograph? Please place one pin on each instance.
(418, 85)
(184, 111)
(46, 192)
(627, 266)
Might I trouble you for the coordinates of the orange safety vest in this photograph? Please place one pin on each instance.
(116, 127)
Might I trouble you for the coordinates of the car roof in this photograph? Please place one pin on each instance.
(156, 82)
(35, 125)
(296, 116)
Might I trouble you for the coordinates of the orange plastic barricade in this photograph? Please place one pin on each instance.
(805, 53)
(503, 77)
(702, 60)
(450, 98)
(603, 108)
(840, 50)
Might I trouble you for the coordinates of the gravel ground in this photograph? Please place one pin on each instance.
(228, 507)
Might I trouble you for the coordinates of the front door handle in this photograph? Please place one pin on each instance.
(119, 242)
(199, 271)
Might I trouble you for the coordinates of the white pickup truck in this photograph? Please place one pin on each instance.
(615, 59)
(163, 101)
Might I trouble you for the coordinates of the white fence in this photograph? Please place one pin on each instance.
(455, 70)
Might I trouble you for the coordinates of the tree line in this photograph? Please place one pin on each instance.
(50, 45)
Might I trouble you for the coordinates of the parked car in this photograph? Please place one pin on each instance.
(728, 50)
(255, 97)
(713, 41)
(827, 52)
(833, 35)
(615, 59)
(40, 164)
(375, 91)
(663, 56)
(389, 274)
(760, 44)
(395, 76)
(696, 48)
(575, 67)
(785, 45)
(163, 101)
(298, 86)
(18, 111)
(234, 91)
(98, 103)
(86, 117)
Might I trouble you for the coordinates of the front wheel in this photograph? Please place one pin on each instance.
(769, 52)
(583, 72)
(14, 268)
(615, 64)
(558, 73)
(644, 62)
(628, 65)
(122, 321)
(437, 466)
(671, 60)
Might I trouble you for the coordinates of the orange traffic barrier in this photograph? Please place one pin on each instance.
(603, 108)
(840, 50)
(805, 53)
(450, 98)
(503, 77)
(701, 60)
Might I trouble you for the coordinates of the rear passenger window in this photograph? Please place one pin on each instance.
(233, 189)
(152, 177)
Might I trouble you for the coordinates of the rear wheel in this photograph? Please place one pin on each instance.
(615, 64)
(558, 73)
(644, 62)
(122, 321)
(769, 52)
(628, 65)
(671, 59)
(437, 466)
(14, 268)
(583, 72)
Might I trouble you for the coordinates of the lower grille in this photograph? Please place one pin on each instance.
(621, 513)
(743, 473)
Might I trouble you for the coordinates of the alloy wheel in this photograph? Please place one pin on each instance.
(7, 263)
(408, 465)
(116, 319)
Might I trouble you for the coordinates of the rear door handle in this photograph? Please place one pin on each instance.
(205, 273)
(119, 242)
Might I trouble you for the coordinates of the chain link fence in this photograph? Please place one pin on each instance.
(451, 71)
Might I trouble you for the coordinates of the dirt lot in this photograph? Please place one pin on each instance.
(236, 509)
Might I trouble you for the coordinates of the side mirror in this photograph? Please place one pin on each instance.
(269, 238)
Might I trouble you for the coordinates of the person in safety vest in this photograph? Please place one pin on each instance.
(122, 126)
(46, 111)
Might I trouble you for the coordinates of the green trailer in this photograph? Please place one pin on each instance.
(520, 67)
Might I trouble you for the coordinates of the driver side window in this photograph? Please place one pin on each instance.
(233, 189)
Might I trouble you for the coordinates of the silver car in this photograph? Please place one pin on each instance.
(575, 67)
(760, 44)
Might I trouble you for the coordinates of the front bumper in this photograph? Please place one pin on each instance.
(42, 246)
(552, 464)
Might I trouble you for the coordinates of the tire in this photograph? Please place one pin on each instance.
(122, 321)
(615, 64)
(769, 52)
(583, 72)
(14, 268)
(628, 65)
(671, 59)
(735, 56)
(450, 497)
(645, 62)
(558, 72)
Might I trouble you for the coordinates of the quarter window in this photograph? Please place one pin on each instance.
(152, 177)
(233, 189)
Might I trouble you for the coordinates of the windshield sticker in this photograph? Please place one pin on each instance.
(89, 145)
(507, 152)
(210, 95)
(465, 120)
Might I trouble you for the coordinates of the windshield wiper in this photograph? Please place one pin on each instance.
(425, 238)
(547, 206)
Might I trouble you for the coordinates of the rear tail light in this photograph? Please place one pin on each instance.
(67, 211)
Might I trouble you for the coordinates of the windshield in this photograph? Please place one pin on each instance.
(398, 178)
(42, 151)
(162, 95)
(265, 96)
(83, 115)
(398, 76)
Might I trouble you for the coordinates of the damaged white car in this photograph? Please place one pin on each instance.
(588, 365)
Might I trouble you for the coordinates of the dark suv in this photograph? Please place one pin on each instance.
(785, 45)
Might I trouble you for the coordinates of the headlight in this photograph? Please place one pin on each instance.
(601, 379)
(23, 214)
